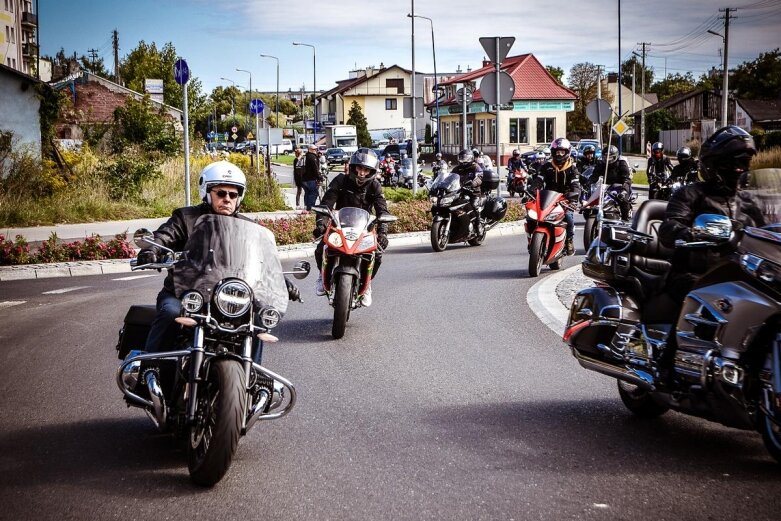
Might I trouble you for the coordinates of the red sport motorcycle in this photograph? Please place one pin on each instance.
(546, 229)
(348, 259)
(517, 181)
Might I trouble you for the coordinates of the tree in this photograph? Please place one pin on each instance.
(583, 80)
(758, 79)
(673, 84)
(634, 64)
(659, 120)
(356, 117)
(556, 72)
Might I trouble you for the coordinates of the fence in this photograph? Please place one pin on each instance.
(675, 139)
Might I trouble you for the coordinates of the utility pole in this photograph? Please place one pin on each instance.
(93, 54)
(642, 109)
(620, 85)
(414, 109)
(115, 45)
(599, 96)
(725, 88)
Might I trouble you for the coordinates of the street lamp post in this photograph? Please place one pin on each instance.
(314, 86)
(257, 123)
(277, 105)
(436, 80)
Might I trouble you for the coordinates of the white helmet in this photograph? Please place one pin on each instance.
(221, 173)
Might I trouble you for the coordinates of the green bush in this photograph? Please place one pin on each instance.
(127, 173)
(137, 123)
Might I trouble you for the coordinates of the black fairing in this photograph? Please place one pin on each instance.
(547, 198)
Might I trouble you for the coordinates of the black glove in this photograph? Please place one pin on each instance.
(293, 292)
(146, 257)
(468, 184)
(318, 231)
(382, 240)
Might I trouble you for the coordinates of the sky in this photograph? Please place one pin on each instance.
(217, 37)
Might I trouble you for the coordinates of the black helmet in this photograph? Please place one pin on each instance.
(589, 149)
(657, 150)
(364, 157)
(684, 154)
(516, 152)
(726, 155)
(610, 154)
(495, 209)
(465, 156)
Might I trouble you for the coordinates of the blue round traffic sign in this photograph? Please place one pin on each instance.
(181, 71)
(256, 106)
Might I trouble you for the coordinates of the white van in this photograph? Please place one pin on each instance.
(285, 148)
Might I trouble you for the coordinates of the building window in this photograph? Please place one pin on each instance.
(395, 83)
(545, 128)
(457, 133)
(445, 137)
(391, 104)
(492, 137)
(13, 35)
(481, 131)
(519, 131)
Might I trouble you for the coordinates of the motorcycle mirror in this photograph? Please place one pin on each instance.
(387, 218)
(301, 269)
(636, 166)
(712, 227)
(143, 238)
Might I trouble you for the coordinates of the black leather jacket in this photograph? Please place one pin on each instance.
(565, 181)
(657, 167)
(469, 172)
(344, 192)
(686, 171)
(618, 173)
(176, 230)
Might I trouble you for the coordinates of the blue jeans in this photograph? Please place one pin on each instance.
(163, 333)
(570, 218)
(310, 194)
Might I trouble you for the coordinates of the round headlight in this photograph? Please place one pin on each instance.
(192, 301)
(233, 298)
(269, 317)
(335, 240)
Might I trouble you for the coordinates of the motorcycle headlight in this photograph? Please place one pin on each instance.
(531, 214)
(366, 243)
(555, 214)
(269, 317)
(233, 298)
(335, 240)
(433, 200)
(192, 301)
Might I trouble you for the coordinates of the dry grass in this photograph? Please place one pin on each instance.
(770, 158)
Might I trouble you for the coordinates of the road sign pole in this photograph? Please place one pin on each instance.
(186, 149)
(498, 101)
(463, 119)
(257, 144)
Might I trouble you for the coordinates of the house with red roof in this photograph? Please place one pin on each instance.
(537, 113)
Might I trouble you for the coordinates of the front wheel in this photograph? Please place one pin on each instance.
(589, 231)
(640, 402)
(536, 253)
(220, 412)
(342, 296)
(438, 236)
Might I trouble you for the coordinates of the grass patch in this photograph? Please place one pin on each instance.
(283, 159)
(770, 158)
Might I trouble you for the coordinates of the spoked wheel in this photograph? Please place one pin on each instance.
(438, 236)
(342, 297)
(220, 412)
(536, 253)
(640, 402)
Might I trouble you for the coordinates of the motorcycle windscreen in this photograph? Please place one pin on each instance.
(547, 198)
(762, 194)
(450, 182)
(596, 191)
(222, 247)
(356, 218)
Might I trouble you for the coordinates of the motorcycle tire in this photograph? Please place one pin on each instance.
(536, 253)
(640, 402)
(214, 438)
(438, 236)
(771, 433)
(343, 294)
(589, 231)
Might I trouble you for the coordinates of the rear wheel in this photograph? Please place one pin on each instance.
(220, 412)
(342, 297)
(536, 253)
(438, 236)
(771, 432)
(640, 402)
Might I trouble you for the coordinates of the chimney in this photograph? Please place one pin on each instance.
(486, 63)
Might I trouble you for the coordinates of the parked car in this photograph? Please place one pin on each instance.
(245, 147)
(336, 156)
(527, 156)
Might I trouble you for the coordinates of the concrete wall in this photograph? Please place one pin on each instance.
(19, 112)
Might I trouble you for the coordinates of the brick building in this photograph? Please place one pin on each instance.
(94, 100)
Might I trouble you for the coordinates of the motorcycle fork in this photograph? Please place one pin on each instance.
(196, 362)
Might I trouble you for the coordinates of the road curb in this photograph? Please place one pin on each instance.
(544, 301)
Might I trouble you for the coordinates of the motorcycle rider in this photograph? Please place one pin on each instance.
(724, 157)
(471, 178)
(515, 163)
(221, 187)
(587, 160)
(561, 174)
(618, 177)
(359, 188)
(439, 164)
(686, 169)
(659, 167)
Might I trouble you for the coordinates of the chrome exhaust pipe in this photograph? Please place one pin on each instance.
(157, 414)
(636, 377)
(257, 411)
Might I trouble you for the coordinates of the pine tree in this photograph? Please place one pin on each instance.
(357, 118)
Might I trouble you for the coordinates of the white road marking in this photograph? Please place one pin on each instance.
(64, 290)
(134, 277)
(9, 303)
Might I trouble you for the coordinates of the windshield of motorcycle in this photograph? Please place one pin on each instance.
(763, 187)
(547, 198)
(449, 182)
(353, 220)
(222, 247)
(596, 190)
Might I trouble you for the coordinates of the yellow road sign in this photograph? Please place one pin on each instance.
(620, 127)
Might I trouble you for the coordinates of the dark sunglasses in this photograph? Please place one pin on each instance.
(224, 193)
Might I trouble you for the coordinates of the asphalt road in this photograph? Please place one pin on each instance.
(447, 399)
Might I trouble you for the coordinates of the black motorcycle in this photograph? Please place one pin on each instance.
(727, 365)
(460, 215)
(209, 389)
